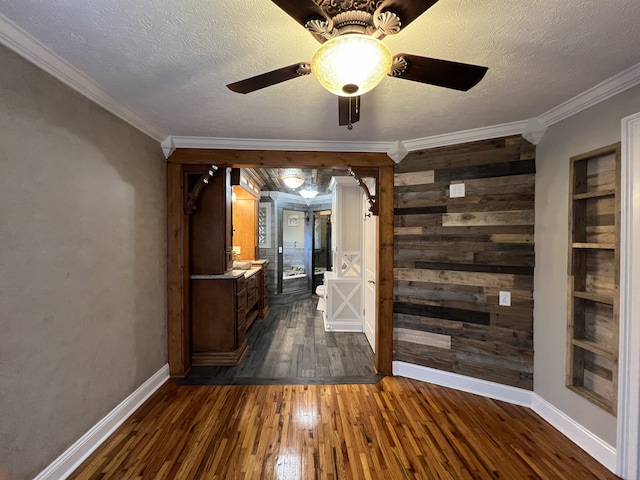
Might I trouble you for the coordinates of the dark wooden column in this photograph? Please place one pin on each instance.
(384, 322)
(177, 274)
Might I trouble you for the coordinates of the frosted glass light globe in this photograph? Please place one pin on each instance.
(351, 64)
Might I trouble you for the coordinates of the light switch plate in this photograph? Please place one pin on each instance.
(505, 299)
(456, 190)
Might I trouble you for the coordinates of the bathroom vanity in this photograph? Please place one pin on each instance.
(223, 307)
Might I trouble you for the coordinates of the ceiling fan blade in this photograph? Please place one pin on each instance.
(443, 73)
(348, 110)
(407, 10)
(270, 78)
(301, 10)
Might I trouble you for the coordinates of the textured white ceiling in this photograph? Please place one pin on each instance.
(169, 61)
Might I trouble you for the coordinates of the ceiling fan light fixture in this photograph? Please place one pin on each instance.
(292, 177)
(351, 64)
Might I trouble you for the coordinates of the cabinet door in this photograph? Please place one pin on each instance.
(210, 232)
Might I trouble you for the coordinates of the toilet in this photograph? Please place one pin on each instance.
(322, 302)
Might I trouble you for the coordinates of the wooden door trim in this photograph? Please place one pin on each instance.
(178, 338)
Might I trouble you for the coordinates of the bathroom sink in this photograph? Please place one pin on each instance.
(242, 265)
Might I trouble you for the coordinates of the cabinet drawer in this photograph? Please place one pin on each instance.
(242, 316)
(241, 300)
(252, 298)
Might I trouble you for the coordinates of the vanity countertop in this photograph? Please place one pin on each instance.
(231, 274)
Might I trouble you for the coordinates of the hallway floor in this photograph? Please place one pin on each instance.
(291, 347)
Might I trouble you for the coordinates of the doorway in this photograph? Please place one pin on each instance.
(295, 251)
(321, 259)
(178, 333)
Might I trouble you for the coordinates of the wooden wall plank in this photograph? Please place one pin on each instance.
(453, 256)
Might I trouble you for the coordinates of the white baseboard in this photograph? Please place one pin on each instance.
(590, 443)
(66, 463)
(497, 391)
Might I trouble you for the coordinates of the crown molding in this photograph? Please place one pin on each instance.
(16, 39)
(625, 80)
(217, 143)
(464, 136)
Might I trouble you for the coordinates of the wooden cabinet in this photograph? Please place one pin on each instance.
(211, 233)
(262, 287)
(594, 272)
(245, 224)
(218, 319)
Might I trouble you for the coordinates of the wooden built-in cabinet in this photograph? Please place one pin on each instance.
(262, 287)
(211, 232)
(594, 273)
(245, 224)
(218, 319)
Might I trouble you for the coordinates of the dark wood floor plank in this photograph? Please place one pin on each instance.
(290, 346)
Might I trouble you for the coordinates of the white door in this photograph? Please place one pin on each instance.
(370, 248)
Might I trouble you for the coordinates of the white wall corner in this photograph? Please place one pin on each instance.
(66, 463)
(593, 445)
(30, 48)
(625, 80)
(168, 146)
(534, 130)
(397, 151)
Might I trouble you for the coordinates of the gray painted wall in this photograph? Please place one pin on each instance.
(82, 265)
(588, 130)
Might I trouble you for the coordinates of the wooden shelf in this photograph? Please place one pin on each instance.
(594, 259)
(593, 347)
(610, 192)
(593, 397)
(594, 297)
(601, 246)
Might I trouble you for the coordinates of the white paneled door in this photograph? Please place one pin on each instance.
(370, 247)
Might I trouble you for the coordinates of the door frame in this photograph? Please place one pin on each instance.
(628, 434)
(178, 328)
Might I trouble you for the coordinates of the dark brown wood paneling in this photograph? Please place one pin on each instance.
(177, 274)
(278, 159)
(454, 255)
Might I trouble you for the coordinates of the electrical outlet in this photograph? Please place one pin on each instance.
(456, 190)
(505, 299)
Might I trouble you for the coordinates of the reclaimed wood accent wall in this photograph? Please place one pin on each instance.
(453, 256)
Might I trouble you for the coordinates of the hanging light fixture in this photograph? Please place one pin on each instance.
(292, 177)
(308, 192)
(351, 64)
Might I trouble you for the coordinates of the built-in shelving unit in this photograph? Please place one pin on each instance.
(594, 273)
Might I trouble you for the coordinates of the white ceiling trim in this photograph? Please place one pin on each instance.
(216, 143)
(475, 134)
(16, 39)
(625, 80)
(34, 51)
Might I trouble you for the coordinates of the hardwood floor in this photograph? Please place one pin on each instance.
(290, 346)
(395, 429)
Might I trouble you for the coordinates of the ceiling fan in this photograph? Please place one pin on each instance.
(352, 59)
